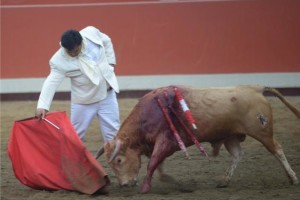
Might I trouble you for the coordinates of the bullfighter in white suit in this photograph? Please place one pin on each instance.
(88, 59)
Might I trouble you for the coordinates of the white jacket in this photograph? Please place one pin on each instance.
(83, 91)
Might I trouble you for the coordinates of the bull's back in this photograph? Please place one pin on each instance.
(225, 100)
(221, 111)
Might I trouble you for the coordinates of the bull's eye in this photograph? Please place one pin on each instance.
(119, 160)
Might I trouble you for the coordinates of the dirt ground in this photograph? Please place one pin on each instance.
(258, 176)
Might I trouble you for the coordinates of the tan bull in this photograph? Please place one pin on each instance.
(223, 116)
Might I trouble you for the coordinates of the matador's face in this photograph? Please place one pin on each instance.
(74, 52)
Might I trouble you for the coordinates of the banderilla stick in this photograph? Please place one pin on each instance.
(187, 130)
(175, 133)
(185, 107)
(189, 133)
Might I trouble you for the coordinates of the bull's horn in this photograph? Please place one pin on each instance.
(99, 152)
(116, 150)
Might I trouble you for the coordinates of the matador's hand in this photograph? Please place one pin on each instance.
(40, 113)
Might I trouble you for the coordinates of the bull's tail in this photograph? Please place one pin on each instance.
(295, 110)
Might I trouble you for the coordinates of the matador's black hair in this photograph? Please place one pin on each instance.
(70, 39)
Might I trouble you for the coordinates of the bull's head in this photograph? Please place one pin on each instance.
(124, 161)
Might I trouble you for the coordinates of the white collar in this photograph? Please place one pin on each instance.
(67, 56)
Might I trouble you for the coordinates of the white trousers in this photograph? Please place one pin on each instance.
(107, 112)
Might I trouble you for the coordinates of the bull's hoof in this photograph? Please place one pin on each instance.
(145, 188)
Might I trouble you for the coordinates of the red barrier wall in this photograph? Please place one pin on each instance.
(158, 37)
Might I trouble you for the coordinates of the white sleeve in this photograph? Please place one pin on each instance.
(50, 85)
(109, 49)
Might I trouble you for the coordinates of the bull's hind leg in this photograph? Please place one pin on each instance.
(277, 151)
(232, 145)
(291, 174)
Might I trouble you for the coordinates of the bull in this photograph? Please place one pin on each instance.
(222, 115)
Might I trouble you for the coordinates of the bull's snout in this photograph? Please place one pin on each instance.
(130, 183)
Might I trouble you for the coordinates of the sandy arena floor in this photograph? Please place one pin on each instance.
(259, 175)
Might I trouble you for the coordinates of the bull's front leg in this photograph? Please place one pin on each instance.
(163, 148)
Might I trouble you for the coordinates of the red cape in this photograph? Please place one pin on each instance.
(48, 158)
